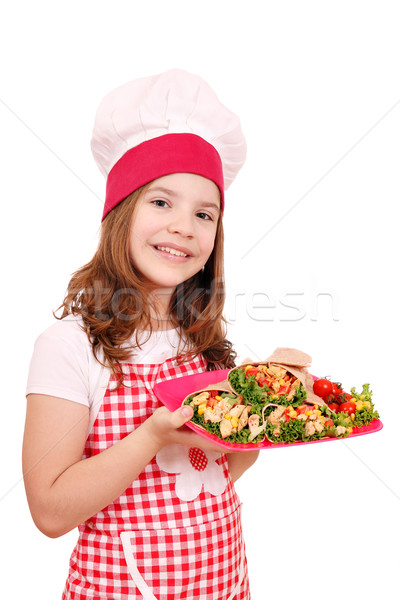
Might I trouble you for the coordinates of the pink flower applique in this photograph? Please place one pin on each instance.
(194, 469)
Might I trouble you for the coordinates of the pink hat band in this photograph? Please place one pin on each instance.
(163, 155)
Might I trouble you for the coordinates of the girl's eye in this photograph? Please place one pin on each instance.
(159, 203)
(204, 216)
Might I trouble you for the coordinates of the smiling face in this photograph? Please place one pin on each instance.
(173, 229)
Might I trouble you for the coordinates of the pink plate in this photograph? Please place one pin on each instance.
(173, 392)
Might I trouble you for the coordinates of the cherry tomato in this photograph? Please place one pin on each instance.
(214, 393)
(329, 423)
(337, 389)
(330, 398)
(348, 407)
(334, 406)
(322, 387)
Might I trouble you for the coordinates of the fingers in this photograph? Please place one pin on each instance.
(181, 416)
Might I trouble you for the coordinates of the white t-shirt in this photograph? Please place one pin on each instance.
(63, 364)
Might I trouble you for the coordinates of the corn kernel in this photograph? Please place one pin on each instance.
(350, 429)
(248, 367)
(359, 404)
(367, 404)
(362, 397)
(292, 414)
(281, 382)
(309, 413)
(227, 417)
(317, 412)
(201, 409)
(352, 417)
(218, 398)
(234, 421)
(316, 406)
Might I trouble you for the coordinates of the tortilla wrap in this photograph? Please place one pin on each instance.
(220, 387)
(295, 362)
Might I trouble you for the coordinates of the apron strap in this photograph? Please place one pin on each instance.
(136, 576)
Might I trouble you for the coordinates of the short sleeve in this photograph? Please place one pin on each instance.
(60, 363)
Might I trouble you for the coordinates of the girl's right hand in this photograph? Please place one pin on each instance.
(168, 428)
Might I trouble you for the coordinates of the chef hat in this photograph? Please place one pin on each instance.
(168, 123)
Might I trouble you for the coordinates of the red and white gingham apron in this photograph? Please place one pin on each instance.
(149, 543)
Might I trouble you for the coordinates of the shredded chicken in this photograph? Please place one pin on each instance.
(211, 415)
(237, 410)
(244, 418)
(276, 415)
(277, 372)
(223, 407)
(340, 430)
(309, 429)
(200, 399)
(254, 422)
(276, 386)
(293, 389)
(225, 428)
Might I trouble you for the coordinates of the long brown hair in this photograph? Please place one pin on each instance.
(113, 300)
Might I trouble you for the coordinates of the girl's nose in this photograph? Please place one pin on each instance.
(182, 224)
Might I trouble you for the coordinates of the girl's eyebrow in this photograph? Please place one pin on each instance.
(210, 205)
(161, 189)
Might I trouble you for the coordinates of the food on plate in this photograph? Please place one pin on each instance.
(280, 402)
(359, 407)
(224, 414)
(258, 383)
(283, 378)
(231, 418)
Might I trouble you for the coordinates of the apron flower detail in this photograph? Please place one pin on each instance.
(194, 469)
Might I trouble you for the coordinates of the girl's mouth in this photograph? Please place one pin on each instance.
(171, 251)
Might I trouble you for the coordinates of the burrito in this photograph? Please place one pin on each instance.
(226, 415)
(274, 400)
(281, 383)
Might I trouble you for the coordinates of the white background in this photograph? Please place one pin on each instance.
(311, 252)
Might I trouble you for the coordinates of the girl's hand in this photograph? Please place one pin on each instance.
(168, 428)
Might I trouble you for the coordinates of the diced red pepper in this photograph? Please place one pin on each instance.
(288, 410)
(283, 389)
(252, 371)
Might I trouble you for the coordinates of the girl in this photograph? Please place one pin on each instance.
(157, 512)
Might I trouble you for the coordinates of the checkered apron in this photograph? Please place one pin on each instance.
(149, 543)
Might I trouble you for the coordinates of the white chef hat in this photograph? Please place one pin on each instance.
(167, 123)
